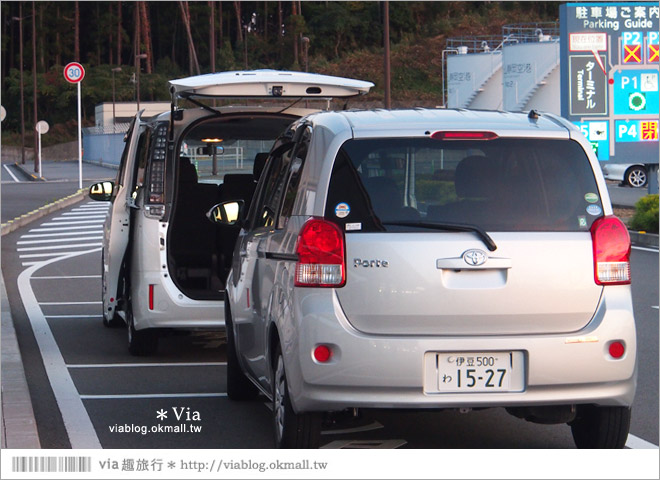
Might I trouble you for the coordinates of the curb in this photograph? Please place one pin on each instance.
(643, 239)
(26, 218)
(29, 175)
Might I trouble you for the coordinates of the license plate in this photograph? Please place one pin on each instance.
(474, 372)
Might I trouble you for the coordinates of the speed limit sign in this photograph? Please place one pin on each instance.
(74, 72)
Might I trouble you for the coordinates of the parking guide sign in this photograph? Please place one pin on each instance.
(609, 78)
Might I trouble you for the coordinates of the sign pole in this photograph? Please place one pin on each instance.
(40, 176)
(74, 73)
(79, 141)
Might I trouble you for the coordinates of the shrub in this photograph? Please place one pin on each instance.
(646, 214)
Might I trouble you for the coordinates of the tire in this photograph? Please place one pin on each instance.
(116, 321)
(141, 343)
(601, 427)
(636, 176)
(292, 430)
(238, 385)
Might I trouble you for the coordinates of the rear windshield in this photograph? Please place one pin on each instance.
(504, 184)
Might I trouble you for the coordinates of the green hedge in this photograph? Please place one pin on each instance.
(646, 214)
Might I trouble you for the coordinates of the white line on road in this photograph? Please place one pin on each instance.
(59, 224)
(85, 213)
(53, 229)
(62, 234)
(76, 420)
(59, 247)
(636, 442)
(56, 240)
(644, 249)
(37, 255)
(80, 216)
(12, 175)
(656, 307)
(152, 395)
(73, 316)
(130, 365)
(70, 303)
(65, 277)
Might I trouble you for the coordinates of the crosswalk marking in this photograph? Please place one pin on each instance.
(53, 229)
(61, 234)
(56, 240)
(58, 247)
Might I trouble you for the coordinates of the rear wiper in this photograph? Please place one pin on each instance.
(456, 227)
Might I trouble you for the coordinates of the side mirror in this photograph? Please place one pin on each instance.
(226, 213)
(101, 191)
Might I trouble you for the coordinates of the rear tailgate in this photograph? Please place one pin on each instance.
(420, 284)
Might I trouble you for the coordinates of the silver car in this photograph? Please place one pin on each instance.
(634, 175)
(439, 259)
(164, 263)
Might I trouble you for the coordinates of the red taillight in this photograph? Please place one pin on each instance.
(320, 250)
(463, 135)
(611, 244)
(151, 297)
(617, 349)
(322, 353)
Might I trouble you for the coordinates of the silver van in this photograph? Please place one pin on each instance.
(432, 259)
(164, 263)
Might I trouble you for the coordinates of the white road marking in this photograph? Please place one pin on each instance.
(131, 365)
(53, 229)
(152, 395)
(70, 303)
(65, 277)
(56, 240)
(37, 255)
(12, 175)
(655, 306)
(636, 442)
(59, 247)
(74, 223)
(73, 316)
(87, 213)
(62, 234)
(76, 420)
(644, 249)
(365, 444)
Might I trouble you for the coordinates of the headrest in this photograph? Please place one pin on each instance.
(259, 164)
(476, 177)
(237, 186)
(383, 192)
(187, 171)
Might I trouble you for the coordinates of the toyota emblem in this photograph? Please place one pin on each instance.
(475, 257)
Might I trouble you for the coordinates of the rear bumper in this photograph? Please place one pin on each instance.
(372, 371)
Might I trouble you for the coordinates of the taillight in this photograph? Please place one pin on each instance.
(611, 244)
(321, 260)
(463, 135)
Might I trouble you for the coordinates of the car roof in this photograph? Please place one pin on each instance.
(422, 121)
(268, 84)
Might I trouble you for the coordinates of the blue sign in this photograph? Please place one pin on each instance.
(636, 92)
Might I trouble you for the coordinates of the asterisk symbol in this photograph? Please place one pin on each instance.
(171, 465)
(161, 414)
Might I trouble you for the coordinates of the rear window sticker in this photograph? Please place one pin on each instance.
(342, 210)
(582, 221)
(591, 197)
(594, 210)
(353, 226)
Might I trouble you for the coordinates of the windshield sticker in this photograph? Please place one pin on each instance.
(594, 210)
(342, 210)
(591, 197)
(582, 221)
(353, 226)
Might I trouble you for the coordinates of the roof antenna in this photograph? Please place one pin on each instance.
(533, 114)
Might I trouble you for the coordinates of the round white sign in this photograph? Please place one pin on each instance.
(3, 113)
(74, 72)
(42, 126)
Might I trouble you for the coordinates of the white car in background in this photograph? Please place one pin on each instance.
(634, 175)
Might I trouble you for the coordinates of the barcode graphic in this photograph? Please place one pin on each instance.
(51, 464)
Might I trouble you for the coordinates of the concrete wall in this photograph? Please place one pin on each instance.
(60, 152)
(103, 149)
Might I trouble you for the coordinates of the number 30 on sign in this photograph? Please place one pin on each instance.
(74, 72)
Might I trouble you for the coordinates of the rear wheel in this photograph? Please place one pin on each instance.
(238, 385)
(292, 430)
(636, 176)
(601, 427)
(140, 342)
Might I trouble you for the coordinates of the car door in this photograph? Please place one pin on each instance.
(259, 265)
(117, 224)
